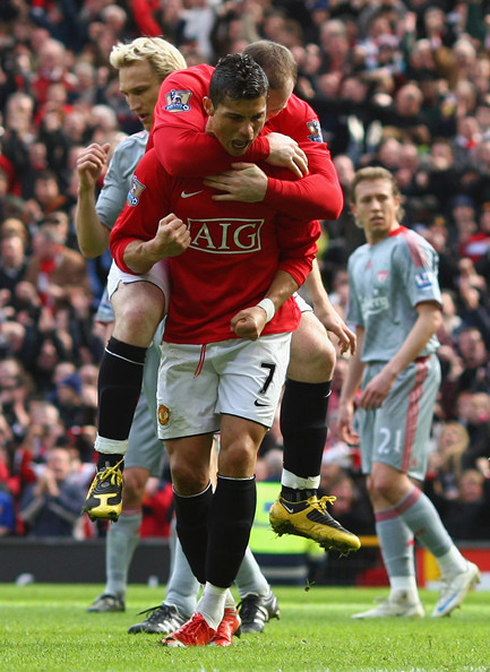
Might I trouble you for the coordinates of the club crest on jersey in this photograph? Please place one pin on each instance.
(423, 280)
(135, 191)
(163, 415)
(382, 276)
(178, 101)
(315, 130)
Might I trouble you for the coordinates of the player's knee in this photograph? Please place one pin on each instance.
(381, 486)
(138, 314)
(188, 479)
(312, 360)
(238, 459)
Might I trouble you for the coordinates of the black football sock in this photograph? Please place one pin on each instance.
(231, 517)
(304, 429)
(119, 388)
(109, 460)
(192, 528)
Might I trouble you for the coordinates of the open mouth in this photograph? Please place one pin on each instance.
(240, 144)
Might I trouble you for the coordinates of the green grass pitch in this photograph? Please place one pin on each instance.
(46, 627)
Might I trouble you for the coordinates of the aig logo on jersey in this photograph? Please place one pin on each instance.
(315, 131)
(423, 280)
(135, 191)
(177, 101)
(232, 236)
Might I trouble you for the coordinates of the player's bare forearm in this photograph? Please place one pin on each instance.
(171, 239)
(347, 395)
(426, 325)
(281, 289)
(326, 313)
(250, 322)
(92, 235)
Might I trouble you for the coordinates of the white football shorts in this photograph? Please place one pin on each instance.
(158, 275)
(199, 383)
(303, 305)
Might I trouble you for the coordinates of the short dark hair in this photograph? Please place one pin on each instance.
(237, 76)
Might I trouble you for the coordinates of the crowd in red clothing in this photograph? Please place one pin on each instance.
(402, 84)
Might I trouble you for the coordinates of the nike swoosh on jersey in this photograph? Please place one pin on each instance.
(184, 194)
(258, 403)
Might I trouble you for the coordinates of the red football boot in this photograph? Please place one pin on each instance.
(194, 632)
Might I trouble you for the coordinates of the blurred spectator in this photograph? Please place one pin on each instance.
(44, 430)
(475, 360)
(451, 321)
(406, 114)
(473, 409)
(51, 505)
(157, 508)
(7, 512)
(466, 516)
(351, 506)
(336, 465)
(55, 270)
(446, 462)
(47, 192)
(336, 50)
(14, 396)
(438, 235)
(53, 65)
(69, 402)
(13, 263)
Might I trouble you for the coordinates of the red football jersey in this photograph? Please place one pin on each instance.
(185, 149)
(235, 252)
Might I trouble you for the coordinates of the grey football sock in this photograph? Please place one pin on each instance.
(421, 516)
(396, 545)
(182, 586)
(396, 542)
(121, 542)
(250, 578)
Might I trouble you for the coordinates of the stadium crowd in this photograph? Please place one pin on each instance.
(403, 85)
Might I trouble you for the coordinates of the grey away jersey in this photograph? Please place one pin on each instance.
(117, 180)
(387, 281)
(112, 197)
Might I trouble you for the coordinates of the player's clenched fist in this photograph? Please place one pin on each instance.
(172, 237)
(249, 323)
(90, 164)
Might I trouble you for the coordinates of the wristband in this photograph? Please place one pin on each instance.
(269, 307)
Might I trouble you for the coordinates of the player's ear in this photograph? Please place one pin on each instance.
(208, 106)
